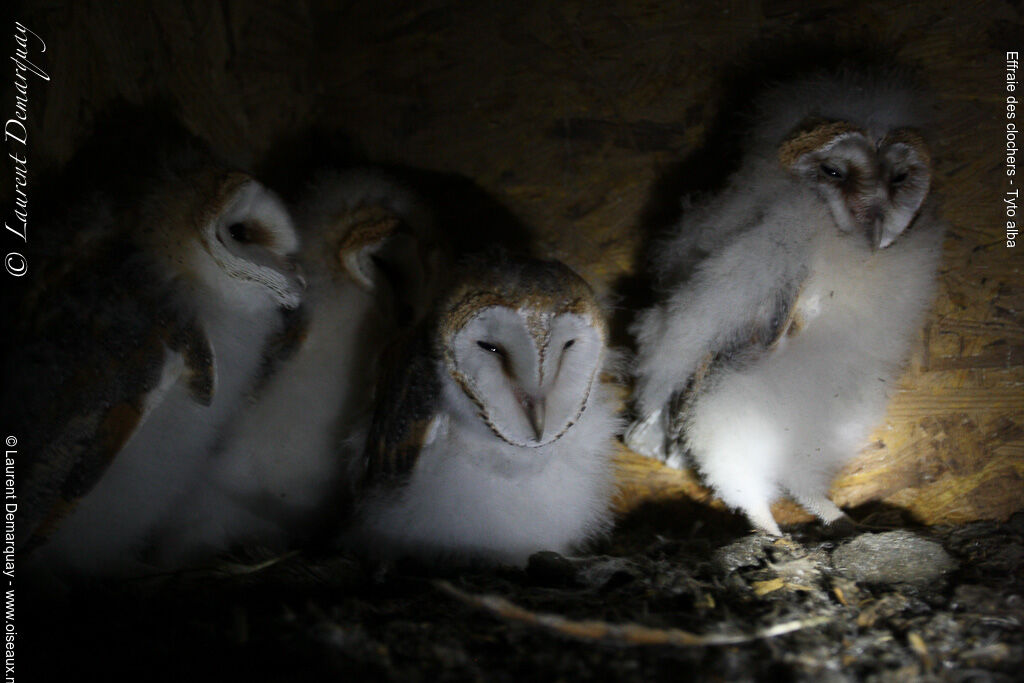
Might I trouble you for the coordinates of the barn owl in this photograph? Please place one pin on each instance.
(493, 433)
(370, 262)
(138, 343)
(792, 297)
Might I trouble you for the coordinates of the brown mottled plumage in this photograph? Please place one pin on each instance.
(278, 477)
(126, 316)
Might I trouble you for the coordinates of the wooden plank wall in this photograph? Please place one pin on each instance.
(570, 114)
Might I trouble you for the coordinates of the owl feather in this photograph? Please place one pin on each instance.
(127, 356)
(492, 432)
(790, 297)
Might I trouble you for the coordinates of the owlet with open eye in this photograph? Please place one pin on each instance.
(792, 296)
(873, 184)
(277, 477)
(139, 342)
(493, 433)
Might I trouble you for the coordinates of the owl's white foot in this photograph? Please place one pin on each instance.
(646, 436)
(838, 522)
(761, 517)
(818, 504)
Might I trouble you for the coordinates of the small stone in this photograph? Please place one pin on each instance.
(749, 551)
(549, 568)
(895, 557)
(552, 569)
(604, 572)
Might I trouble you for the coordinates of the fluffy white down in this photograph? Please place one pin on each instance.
(472, 496)
(877, 102)
(784, 420)
(279, 465)
(118, 520)
(788, 422)
(724, 294)
(278, 462)
(117, 529)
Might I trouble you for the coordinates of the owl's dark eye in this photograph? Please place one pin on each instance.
(250, 233)
(240, 232)
(899, 178)
(832, 172)
(491, 348)
(568, 344)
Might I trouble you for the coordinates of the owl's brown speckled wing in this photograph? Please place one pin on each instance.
(95, 343)
(408, 392)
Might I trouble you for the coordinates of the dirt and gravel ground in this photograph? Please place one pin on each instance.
(676, 593)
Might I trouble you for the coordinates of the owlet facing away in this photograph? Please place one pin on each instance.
(792, 297)
(493, 433)
(140, 339)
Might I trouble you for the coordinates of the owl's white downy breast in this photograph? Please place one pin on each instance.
(204, 276)
(278, 473)
(471, 496)
(798, 413)
(793, 295)
(157, 467)
(493, 439)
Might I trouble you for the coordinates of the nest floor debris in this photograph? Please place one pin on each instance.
(712, 604)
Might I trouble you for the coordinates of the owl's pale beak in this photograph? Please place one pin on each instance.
(876, 228)
(534, 408)
(288, 284)
(296, 276)
(295, 282)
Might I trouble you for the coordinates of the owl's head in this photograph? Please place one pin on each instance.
(226, 232)
(366, 229)
(873, 184)
(524, 341)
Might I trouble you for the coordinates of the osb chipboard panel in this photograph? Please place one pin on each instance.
(569, 115)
